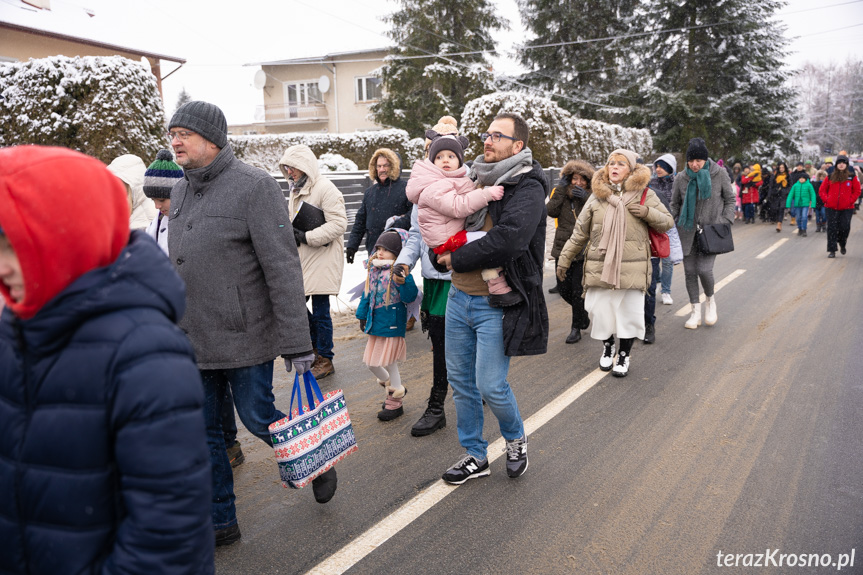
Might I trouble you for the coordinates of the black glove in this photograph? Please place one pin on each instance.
(564, 182)
(300, 236)
(578, 192)
(349, 254)
(435, 264)
(362, 325)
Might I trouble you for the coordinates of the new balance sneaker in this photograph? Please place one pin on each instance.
(621, 367)
(467, 468)
(516, 457)
(607, 359)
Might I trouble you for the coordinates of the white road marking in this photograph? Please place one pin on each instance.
(685, 310)
(378, 534)
(771, 249)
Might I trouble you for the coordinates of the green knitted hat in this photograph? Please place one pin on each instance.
(161, 176)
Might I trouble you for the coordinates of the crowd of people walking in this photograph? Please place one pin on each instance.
(200, 240)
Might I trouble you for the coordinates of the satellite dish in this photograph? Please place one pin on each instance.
(324, 84)
(260, 79)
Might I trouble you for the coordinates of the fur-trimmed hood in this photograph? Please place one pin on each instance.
(395, 164)
(580, 167)
(600, 185)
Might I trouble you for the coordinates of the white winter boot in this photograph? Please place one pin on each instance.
(694, 318)
(710, 316)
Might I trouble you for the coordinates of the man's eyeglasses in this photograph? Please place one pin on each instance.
(496, 137)
(183, 136)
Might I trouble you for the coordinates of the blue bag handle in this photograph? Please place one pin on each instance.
(312, 385)
(298, 394)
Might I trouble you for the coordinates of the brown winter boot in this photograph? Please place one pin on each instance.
(779, 227)
(322, 367)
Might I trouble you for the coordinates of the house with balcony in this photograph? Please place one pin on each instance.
(330, 93)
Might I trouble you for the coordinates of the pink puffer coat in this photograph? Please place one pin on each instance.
(444, 199)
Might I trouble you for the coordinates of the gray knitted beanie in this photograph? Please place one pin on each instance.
(204, 119)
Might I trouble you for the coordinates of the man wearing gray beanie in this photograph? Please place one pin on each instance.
(230, 238)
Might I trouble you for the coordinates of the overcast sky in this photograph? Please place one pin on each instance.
(217, 37)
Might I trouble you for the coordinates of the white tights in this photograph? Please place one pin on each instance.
(388, 373)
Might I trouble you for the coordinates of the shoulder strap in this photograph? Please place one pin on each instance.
(643, 195)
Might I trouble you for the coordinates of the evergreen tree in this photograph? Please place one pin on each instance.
(570, 57)
(419, 87)
(721, 78)
(182, 98)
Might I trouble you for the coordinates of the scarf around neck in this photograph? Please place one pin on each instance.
(700, 182)
(499, 173)
(613, 238)
(782, 179)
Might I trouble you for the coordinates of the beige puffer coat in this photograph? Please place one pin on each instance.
(321, 257)
(635, 267)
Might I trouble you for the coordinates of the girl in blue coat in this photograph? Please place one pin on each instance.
(383, 315)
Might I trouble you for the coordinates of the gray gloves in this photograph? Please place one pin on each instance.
(302, 364)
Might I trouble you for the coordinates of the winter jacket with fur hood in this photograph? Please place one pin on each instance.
(635, 268)
(564, 209)
(103, 455)
(231, 240)
(381, 201)
(130, 169)
(718, 209)
(445, 199)
(321, 255)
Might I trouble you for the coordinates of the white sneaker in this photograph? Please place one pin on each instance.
(621, 366)
(710, 316)
(694, 318)
(666, 299)
(607, 358)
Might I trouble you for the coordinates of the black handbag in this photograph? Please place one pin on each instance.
(715, 239)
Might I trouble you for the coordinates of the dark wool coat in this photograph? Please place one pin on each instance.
(231, 240)
(381, 201)
(104, 466)
(718, 209)
(516, 242)
(564, 209)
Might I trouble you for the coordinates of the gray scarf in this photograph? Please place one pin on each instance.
(495, 174)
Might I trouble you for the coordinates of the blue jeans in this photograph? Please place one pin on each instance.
(253, 395)
(666, 274)
(650, 296)
(321, 326)
(477, 368)
(821, 215)
(229, 422)
(802, 215)
(749, 211)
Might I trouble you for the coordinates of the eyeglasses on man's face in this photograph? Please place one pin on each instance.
(182, 136)
(496, 137)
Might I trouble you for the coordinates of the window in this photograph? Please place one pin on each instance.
(368, 89)
(302, 94)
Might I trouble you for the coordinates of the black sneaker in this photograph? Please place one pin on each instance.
(467, 468)
(649, 333)
(621, 367)
(228, 535)
(516, 457)
(324, 485)
(842, 250)
(607, 359)
(235, 454)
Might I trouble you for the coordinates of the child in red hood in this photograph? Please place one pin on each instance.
(104, 459)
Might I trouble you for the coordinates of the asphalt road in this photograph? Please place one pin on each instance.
(741, 438)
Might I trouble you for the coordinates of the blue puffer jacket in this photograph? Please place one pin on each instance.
(104, 466)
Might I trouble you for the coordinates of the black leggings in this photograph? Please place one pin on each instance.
(437, 331)
(625, 343)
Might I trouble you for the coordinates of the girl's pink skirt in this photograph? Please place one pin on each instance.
(384, 351)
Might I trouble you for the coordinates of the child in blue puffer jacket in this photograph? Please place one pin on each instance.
(383, 315)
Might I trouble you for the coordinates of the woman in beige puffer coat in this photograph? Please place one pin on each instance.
(613, 226)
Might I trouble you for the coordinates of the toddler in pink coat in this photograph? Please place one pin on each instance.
(445, 196)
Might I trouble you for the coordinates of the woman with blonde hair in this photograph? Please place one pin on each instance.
(613, 226)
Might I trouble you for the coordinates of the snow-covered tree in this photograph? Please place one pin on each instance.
(831, 101)
(182, 98)
(335, 163)
(419, 85)
(101, 106)
(718, 75)
(555, 135)
(570, 56)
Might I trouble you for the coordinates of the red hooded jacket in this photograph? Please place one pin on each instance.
(50, 200)
(840, 195)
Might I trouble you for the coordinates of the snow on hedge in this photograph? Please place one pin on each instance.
(555, 135)
(265, 151)
(335, 163)
(103, 106)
